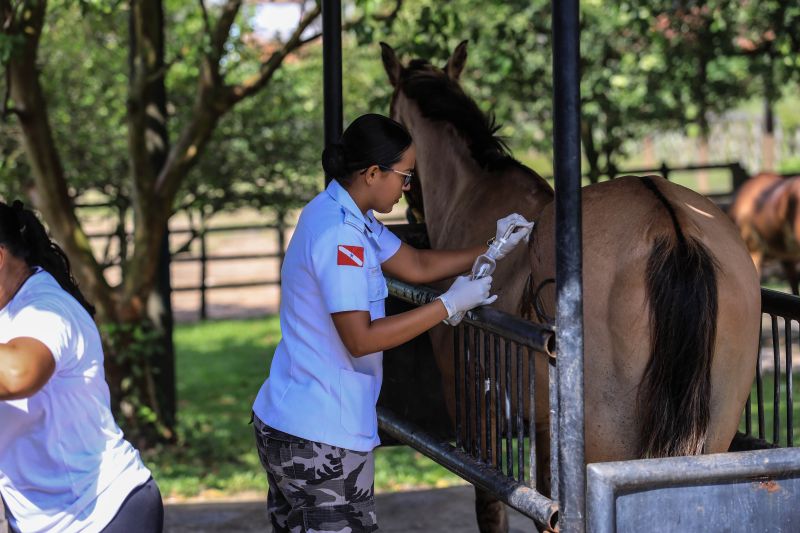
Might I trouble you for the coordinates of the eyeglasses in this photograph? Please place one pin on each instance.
(407, 176)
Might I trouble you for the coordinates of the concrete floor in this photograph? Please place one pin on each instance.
(431, 511)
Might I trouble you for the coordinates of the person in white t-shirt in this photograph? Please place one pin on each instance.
(315, 417)
(64, 463)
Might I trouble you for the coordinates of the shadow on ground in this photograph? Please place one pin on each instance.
(430, 511)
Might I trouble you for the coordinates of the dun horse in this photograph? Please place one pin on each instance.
(767, 211)
(671, 298)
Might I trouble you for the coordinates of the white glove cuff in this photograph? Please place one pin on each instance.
(447, 305)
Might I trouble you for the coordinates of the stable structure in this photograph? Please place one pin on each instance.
(686, 493)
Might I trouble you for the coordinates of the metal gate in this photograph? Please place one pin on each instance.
(493, 448)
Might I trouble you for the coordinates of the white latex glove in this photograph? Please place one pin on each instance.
(465, 294)
(522, 232)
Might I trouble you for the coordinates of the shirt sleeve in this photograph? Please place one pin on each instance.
(388, 242)
(338, 262)
(46, 324)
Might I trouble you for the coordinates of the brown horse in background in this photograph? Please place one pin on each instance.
(767, 211)
(671, 298)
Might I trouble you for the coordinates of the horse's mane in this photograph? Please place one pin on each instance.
(441, 99)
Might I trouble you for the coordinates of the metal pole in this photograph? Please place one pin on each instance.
(332, 70)
(569, 284)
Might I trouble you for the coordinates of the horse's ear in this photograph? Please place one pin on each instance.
(457, 61)
(391, 64)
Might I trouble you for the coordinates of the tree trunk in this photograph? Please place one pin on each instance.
(159, 306)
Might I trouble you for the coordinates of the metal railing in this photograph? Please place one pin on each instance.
(780, 312)
(494, 388)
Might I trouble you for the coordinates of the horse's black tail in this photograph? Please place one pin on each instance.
(675, 392)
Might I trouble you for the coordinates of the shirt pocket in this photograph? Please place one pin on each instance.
(376, 284)
(357, 400)
(376, 293)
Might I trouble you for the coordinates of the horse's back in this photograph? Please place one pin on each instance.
(622, 221)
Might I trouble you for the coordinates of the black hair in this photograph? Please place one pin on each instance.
(370, 139)
(25, 237)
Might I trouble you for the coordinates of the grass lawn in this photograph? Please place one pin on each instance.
(220, 367)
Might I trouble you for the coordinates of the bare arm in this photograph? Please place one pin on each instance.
(25, 367)
(424, 266)
(363, 336)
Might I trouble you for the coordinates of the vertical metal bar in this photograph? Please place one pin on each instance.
(122, 234)
(486, 386)
(498, 421)
(569, 284)
(776, 380)
(332, 70)
(507, 400)
(534, 465)
(467, 403)
(457, 380)
(281, 227)
(760, 398)
(789, 378)
(203, 267)
(555, 438)
(520, 424)
(748, 416)
(281, 223)
(477, 387)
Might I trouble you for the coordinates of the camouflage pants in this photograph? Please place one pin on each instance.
(314, 487)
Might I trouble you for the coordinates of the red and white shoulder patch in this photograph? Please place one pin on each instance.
(350, 255)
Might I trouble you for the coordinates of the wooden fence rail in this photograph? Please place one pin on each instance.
(201, 230)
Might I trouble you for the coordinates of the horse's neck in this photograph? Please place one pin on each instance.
(447, 172)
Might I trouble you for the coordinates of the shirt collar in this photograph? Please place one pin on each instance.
(343, 198)
(371, 227)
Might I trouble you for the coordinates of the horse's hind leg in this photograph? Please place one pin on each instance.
(490, 512)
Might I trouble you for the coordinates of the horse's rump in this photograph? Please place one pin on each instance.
(651, 251)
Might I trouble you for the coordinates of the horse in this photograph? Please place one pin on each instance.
(671, 298)
(766, 211)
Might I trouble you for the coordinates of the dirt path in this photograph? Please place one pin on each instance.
(430, 511)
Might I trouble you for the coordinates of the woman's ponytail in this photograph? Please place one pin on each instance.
(334, 160)
(23, 234)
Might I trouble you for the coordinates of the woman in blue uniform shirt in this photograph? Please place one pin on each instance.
(315, 417)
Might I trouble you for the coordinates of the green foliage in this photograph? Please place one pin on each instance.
(136, 347)
(266, 152)
(645, 65)
(83, 53)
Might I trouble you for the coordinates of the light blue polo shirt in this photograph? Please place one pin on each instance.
(317, 390)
